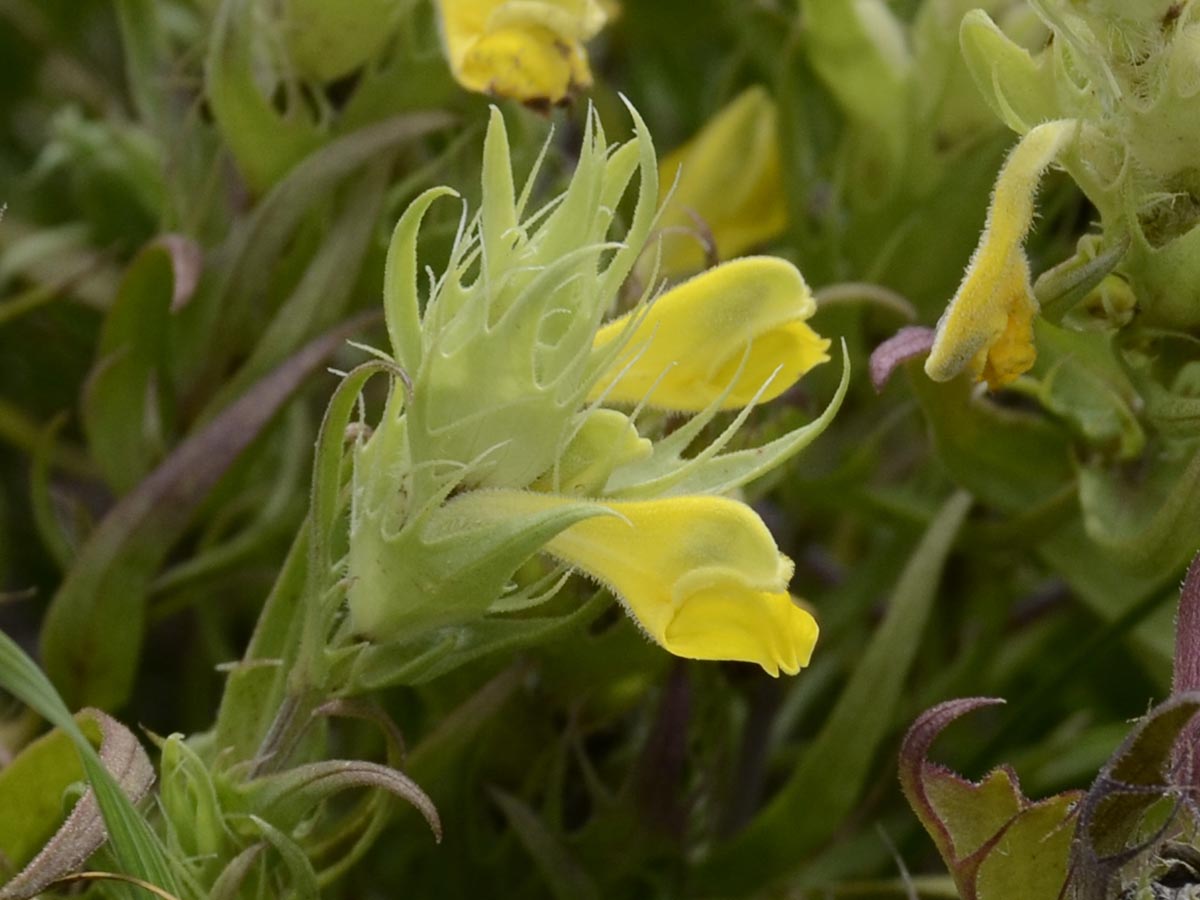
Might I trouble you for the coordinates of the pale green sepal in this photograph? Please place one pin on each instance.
(645, 213)
(498, 211)
(1020, 89)
(401, 304)
(448, 568)
(1059, 289)
(674, 475)
(604, 441)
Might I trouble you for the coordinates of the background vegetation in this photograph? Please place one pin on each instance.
(169, 242)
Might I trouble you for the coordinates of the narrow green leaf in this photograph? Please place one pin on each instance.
(303, 878)
(264, 142)
(136, 847)
(564, 876)
(832, 773)
(120, 415)
(55, 536)
(285, 798)
(254, 249)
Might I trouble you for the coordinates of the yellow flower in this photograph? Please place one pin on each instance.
(529, 50)
(701, 575)
(731, 178)
(689, 346)
(988, 326)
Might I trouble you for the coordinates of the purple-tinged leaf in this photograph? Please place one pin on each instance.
(187, 262)
(907, 343)
(1187, 633)
(916, 769)
(996, 843)
(1141, 774)
(285, 798)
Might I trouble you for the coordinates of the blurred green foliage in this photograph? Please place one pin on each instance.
(199, 197)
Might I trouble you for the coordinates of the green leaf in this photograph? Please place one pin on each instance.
(189, 802)
(304, 885)
(1146, 519)
(860, 52)
(1083, 382)
(56, 537)
(254, 249)
(121, 417)
(34, 782)
(997, 844)
(138, 850)
(1009, 459)
(83, 831)
(1029, 861)
(265, 143)
(91, 638)
(324, 291)
(564, 876)
(834, 770)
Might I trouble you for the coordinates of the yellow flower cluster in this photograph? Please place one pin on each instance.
(521, 432)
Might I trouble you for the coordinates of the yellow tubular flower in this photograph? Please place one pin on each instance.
(529, 50)
(731, 177)
(701, 575)
(988, 326)
(688, 347)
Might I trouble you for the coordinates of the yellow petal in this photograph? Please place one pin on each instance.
(718, 624)
(988, 326)
(687, 348)
(529, 50)
(731, 177)
(701, 575)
